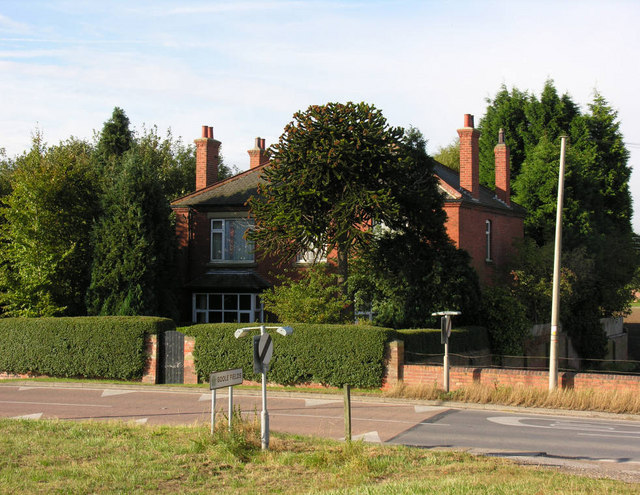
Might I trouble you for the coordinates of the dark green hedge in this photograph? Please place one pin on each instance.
(90, 347)
(332, 355)
(428, 341)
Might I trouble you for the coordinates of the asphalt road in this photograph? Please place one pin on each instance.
(582, 442)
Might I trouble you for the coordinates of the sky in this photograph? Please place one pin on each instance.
(245, 67)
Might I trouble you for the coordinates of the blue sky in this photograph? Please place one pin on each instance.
(244, 67)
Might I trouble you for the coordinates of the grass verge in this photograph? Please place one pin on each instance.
(577, 400)
(92, 457)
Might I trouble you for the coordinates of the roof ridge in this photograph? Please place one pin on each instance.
(219, 183)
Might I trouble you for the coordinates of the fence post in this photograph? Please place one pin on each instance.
(347, 413)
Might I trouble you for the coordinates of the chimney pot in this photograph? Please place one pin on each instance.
(205, 131)
(468, 120)
(262, 144)
(258, 142)
(501, 136)
(210, 133)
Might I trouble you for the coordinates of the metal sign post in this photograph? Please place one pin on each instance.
(222, 379)
(262, 352)
(445, 328)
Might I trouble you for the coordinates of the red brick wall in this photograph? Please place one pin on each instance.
(190, 374)
(206, 159)
(503, 172)
(150, 374)
(460, 377)
(470, 230)
(469, 157)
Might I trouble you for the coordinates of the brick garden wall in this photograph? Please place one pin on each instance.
(460, 377)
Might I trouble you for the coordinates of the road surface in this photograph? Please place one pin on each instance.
(580, 442)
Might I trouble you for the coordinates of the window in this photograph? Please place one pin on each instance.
(488, 236)
(226, 308)
(228, 241)
(312, 256)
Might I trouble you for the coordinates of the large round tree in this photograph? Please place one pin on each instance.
(337, 169)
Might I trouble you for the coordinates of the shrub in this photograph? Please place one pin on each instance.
(506, 319)
(89, 347)
(332, 355)
(315, 298)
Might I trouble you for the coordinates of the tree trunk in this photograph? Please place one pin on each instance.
(343, 277)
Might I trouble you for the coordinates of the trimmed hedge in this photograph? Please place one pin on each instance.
(332, 355)
(90, 347)
(427, 341)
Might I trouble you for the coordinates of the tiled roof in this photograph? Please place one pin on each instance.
(450, 186)
(236, 190)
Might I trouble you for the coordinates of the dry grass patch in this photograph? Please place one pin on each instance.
(582, 400)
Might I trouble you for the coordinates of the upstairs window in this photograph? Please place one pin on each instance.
(228, 242)
(488, 239)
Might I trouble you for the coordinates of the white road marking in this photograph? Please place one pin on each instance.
(114, 391)
(619, 435)
(319, 402)
(141, 420)
(51, 403)
(371, 437)
(22, 389)
(29, 416)
(422, 409)
(572, 425)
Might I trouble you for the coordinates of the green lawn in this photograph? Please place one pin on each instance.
(92, 457)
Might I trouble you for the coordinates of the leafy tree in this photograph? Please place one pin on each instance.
(449, 155)
(176, 162)
(6, 168)
(314, 297)
(403, 278)
(134, 242)
(45, 234)
(335, 169)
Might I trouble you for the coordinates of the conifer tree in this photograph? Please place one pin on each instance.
(134, 242)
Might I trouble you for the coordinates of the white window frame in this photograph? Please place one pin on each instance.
(487, 233)
(223, 236)
(312, 256)
(256, 312)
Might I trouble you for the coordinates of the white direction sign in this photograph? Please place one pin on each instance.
(228, 378)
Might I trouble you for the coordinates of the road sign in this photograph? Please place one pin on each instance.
(445, 329)
(228, 378)
(262, 352)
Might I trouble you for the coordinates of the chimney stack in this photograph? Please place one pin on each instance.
(258, 155)
(207, 159)
(503, 170)
(469, 157)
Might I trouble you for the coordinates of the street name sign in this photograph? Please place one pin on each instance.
(227, 378)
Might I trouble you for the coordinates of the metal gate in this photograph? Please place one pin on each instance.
(171, 357)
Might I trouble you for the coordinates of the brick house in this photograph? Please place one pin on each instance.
(221, 280)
